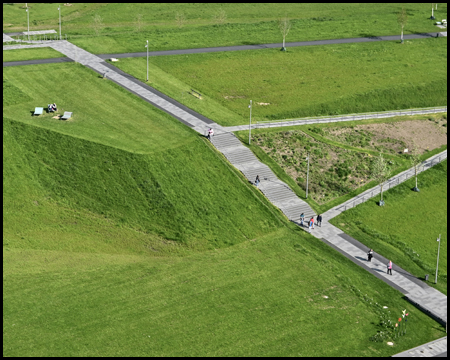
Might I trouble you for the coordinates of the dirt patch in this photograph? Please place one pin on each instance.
(264, 104)
(394, 137)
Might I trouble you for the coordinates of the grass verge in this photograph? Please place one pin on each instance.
(406, 229)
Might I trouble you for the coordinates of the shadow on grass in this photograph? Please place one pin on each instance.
(370, 36)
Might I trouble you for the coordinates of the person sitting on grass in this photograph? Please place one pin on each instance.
(54, 107)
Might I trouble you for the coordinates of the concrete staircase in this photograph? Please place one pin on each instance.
(278, 192)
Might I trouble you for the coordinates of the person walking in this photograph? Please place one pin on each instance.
(389, 267)
(302, 218)
(312, 222)
(257, 180)
(370, 255)
(210, 133)
(319, 220)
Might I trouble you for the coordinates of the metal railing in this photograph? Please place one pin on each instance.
(350, 117)
(394, 181)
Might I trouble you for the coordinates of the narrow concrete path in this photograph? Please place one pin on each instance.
(340, 118)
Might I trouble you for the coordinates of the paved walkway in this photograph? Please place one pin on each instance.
(328, 119)
(434, 348)
(425, 297)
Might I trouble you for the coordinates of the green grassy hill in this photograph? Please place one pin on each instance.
(138, 191)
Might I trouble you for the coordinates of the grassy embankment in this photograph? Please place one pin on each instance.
(406, 228)
(94, 208)
(31, 54)
(242, 23)
(382, 76)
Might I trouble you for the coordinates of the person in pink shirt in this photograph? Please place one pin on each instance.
(389, 267)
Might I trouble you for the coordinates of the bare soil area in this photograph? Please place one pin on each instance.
(396, 137)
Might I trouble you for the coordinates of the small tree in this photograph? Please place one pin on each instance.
(284, 26)
(139, 23)
(180, 19)
(97, 24)
(380, 172)
(220, 16)
(415, 161)
(402, 18)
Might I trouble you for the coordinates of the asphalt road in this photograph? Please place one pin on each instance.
(233, 48)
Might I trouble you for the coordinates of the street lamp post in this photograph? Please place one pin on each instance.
(307, 175)
(28, 22)
(432, 13)
(59, 8)
(437, 264)
(147, 59)
(250, 124)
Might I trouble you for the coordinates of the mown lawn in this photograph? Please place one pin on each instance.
(103, 112)
(264, 297)
(305, 81)
(242, 23)
(406, 228)
(31, 54)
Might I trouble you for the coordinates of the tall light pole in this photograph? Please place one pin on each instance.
(147, 59)
(432, 14)
(59, 8)
(437, 264)
(250, 124)
(28, 21)
(307, 175)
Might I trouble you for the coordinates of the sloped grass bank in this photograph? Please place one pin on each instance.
(305, 81)
(184, 194)
(285, 294)
(406, 228)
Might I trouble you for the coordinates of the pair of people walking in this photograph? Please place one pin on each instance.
(389, 264)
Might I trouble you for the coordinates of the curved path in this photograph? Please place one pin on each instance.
(419, 293)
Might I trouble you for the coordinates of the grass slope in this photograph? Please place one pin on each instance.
(382, 76)
(259, 298)
(242, 23)
(31, 54)
(139, 191)
(406, 228)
